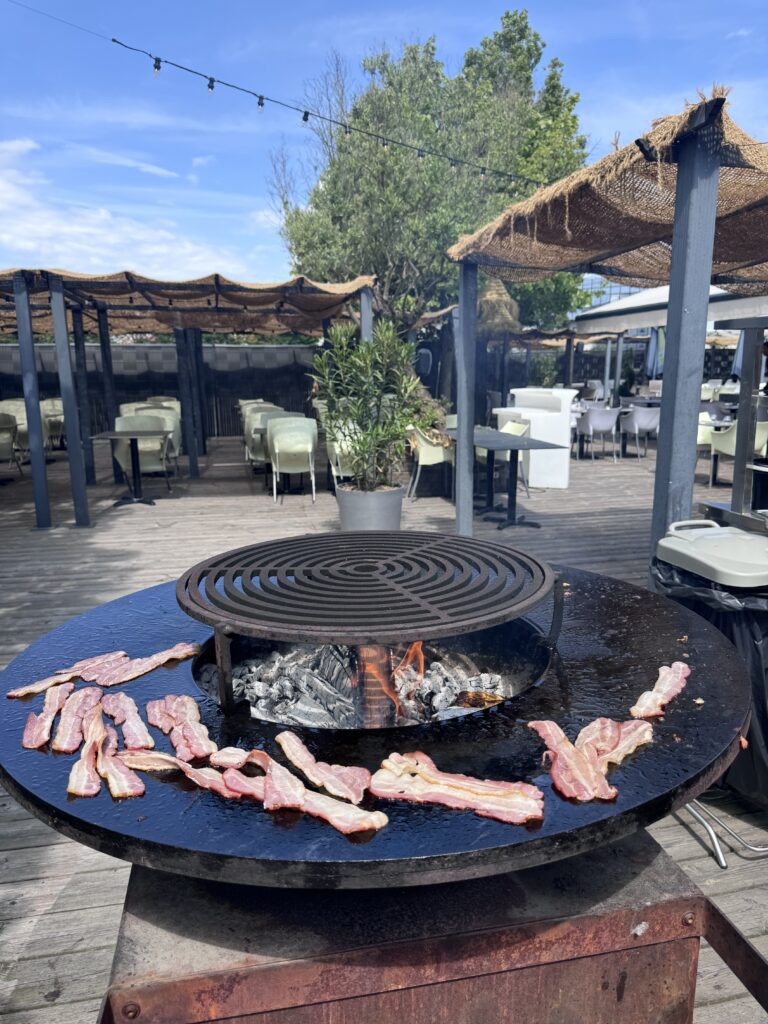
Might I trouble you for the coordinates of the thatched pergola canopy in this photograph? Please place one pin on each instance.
(615, 217)
(139, 304)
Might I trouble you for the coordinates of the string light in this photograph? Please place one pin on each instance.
(385, 143)
(421, 154)
(261, 104)
(305, 116)
(347, 130)
(158, 65)
(211, 83)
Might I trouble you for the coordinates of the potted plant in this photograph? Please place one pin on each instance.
(371, 398)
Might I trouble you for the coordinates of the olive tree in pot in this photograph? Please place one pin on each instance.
(371, 397)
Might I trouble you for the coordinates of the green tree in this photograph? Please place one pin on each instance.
(367, 208)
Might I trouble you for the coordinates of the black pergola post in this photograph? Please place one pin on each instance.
(83, 402)
(108, 380)
(693, 235)
(617, 374)
(692, 244)
(69, 401)
(197, 352)
(568, 369)
(194, 381)
(31, 400)
(466, 346)
(187, 401)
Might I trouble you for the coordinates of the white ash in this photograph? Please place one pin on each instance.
(316, 688)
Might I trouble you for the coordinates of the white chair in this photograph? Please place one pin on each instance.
(17, 408)
(255, 448)
(52, 413)
(451, 420)
(599, 422)
(166, 403)
(723, 442)
(153, 451)
(292, 445)
(173, 422)
(426, 452)
(596, 388)
(654, 388)
(641, 422)
(715, 382)
(9, 453)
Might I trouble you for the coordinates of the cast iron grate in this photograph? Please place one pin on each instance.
(367, 587)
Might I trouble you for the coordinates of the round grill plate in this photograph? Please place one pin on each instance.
(366, 587)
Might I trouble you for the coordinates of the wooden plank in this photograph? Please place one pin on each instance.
(24, 833)
(81, 1012)
(67, 978)
(51, 862)
(37, 896)
(54, 934)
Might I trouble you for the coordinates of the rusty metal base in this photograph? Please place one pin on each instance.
(610, 935)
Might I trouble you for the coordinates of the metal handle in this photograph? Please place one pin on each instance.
(557, 614)
(691, 524)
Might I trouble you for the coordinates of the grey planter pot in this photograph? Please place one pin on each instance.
(370, 510)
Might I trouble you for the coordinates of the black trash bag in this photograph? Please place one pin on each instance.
(741, 616)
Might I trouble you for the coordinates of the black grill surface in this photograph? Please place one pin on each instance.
(366, 587)
(613, 639)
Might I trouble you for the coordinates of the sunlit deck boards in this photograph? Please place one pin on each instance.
(60, 902)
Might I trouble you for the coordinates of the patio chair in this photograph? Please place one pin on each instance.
(52, 412)
(255, 448)
(172, 420)
(292, 445)
(17, 408)
(517, 429)
(600, 422)
(165, 403)
(451, 420)
(339, 462)
(9, 453)
(654, 388)
(641, 422)
(426, 453)
(724, 443)
(153, 451)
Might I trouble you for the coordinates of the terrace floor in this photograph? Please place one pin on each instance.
(60, 902)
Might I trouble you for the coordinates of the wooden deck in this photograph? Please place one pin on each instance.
(60, 902)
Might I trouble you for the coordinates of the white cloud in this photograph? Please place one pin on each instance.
(202, 161)
(739, 33)
(38, 231)
(264, 218)
(193, 179)
(103, 156)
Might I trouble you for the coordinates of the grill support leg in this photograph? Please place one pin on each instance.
(224, 665)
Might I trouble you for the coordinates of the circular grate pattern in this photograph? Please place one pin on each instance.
(367, 587)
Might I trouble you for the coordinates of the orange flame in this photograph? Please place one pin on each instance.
(415, 653)
(375, 666)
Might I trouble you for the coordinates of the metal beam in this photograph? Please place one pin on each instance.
(366, 314)
(741, 495)
(692, 244)
(568, 368)
(465, 396)
(69, 401)
(187, 401)
(192, 367)
(83, 402)
(607, 369)
(617, 374)
(108, 381)
(202, 392)
(31, 401)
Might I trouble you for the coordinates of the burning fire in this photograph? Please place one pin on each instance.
(375, 670)
(415, 653)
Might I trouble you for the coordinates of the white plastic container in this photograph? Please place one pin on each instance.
(723, 554)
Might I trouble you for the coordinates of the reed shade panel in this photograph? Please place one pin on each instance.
(615, 217)
(214, 303)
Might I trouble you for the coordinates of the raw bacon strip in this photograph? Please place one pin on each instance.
(64, 675)
(230, 757)
(84, 777)
(154, 761)
(575, 773)
(92, 668)
(280, 789)
(37, 731)
(347, 783)
(123, 710)
(180, 717)
(124, 671)
(671, 681)
(69, 734)
(120, 780)
(611, 742)
(415, 777)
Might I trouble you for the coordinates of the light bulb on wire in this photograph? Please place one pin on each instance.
(261, 104)
(305, 116)
(211, 83)
(158, 65)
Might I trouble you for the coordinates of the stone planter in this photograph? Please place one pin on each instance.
(370, 510)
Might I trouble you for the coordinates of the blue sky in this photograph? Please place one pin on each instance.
(103, 166)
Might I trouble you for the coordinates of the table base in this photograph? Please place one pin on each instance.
(128, 499)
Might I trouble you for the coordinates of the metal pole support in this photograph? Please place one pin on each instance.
(465, 396)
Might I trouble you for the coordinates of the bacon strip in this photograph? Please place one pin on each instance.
(574, 772)
(121, 781)
(124, 671)
(670, 682)
(415, 777)
(84, 777)
(69, 734)
(180, 717)
(123, 710)
(108, 669)
(279, 788)
(347, 783)
(155, 761)
(37, 731)
(611, 742)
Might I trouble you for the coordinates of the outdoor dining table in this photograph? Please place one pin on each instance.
(500, 441)
(133, 436)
